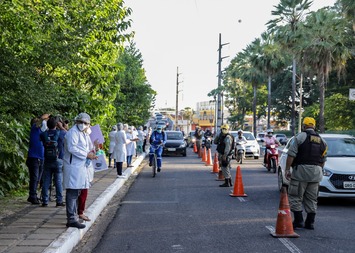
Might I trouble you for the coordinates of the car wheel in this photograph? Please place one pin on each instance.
(183, 154)
(279, 179)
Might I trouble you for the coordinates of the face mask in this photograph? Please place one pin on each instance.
(44, 126)
(159, 131)
(269, 135)
(81, 127)
(225, 131)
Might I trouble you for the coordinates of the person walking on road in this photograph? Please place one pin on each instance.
(77, 149)
(120, 151)
(306, 156)
(225, 148)
(111, 147)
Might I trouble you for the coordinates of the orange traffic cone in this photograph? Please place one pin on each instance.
(238, 190)
(209, 158)
(199, 152)
(195, 147)
(204, 156)
(220, 176)
(284, 227)
(215, 164)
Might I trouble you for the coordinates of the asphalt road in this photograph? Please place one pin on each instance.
(184, 210)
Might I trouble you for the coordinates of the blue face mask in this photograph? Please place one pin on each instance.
(159, 130)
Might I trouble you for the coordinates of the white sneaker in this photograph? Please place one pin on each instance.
(121, 176)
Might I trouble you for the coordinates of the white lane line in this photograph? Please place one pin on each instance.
(241, 199)
(286, 242)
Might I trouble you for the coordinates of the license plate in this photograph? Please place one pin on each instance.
(349, 185)
(171, 149)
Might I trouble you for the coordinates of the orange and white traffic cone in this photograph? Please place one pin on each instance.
(220, 176)
(284, 227)
(215, 164)
(195, 147)
(238, 190)
(199, 152)
(204, 156)
(209, 158)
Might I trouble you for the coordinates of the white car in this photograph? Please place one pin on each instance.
(252, 148)
(339, 170)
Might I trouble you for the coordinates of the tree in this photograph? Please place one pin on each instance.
(289, 14)
(324, 48)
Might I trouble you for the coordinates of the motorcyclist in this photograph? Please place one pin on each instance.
(157, 140)
(241, 139)
(208, 133)
(269, 140)
(208, 138)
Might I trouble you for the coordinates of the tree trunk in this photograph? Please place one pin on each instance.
(268, 102)
(254, 110)
(321, 102)
(293, 121)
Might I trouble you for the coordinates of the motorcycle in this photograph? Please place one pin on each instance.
(240, 151)
(207, 142)
(272, 158)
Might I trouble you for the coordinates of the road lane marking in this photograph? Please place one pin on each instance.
(286, 242)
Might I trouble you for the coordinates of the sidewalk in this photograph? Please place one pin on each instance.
(42, 229)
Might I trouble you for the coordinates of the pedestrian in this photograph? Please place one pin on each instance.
(198, 135)
(120, 151)
(225, 149)
(306, 155)
(35, 156)
(52, 140)
(145, 133)
(77, 149)
(111, 147)
(141, 137)
(130, 146)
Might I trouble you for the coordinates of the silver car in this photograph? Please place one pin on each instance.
(339, 170)
(252, 148)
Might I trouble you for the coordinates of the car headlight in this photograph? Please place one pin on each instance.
(182, 145)
(327, 173)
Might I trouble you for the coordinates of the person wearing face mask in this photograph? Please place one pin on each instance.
(35, 156)
(269, 140)
(120, 151)
(157, 140)
(225, 144)
(77, 149)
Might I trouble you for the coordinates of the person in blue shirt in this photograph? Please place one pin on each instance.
(157, 140)
(35, 156)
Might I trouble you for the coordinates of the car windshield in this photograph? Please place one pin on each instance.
(249, 136)
(339, 147)
(174, 135)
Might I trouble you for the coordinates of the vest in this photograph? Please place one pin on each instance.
(311, 150)
(221, 145)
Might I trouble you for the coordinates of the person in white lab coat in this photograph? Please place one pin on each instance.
(111, 147)
(77, 152)
(120, 151)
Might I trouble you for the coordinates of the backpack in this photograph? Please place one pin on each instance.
(51, 146)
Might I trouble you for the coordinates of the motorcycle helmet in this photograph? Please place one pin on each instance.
(270, 132)
(240, 131)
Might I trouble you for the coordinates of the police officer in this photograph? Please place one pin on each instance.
(198, 134)
(306, 156)
(225, 142)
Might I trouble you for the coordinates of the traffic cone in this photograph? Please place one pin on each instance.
(209, 158)
(204, 156)
(284, 227)
(238, 190)
(195, 147)
(199, 153)
(220, 176)
(215, 164)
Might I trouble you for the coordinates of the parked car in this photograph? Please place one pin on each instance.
(175, 143)
(282, 138)
(338, 172)
(252, 148)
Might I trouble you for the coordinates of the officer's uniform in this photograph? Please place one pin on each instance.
(306, 170)
(224, 144)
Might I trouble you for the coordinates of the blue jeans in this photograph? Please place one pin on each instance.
(71, 199)
(159, 153)
(35, 169)
(53, 169)
(129, 160)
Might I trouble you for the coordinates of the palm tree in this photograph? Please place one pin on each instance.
(348, 8)
(289, 14)
(324, 48)
(269, 61)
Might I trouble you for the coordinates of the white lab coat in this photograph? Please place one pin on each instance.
(119, 151)
(111, 136)
(131, 147)
(77, 145)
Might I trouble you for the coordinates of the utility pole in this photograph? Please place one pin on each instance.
(219, 97)
(177, 97)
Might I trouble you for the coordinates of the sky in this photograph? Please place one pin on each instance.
(184, 35)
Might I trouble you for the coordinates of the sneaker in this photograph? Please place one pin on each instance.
(84, 217)
(33, 201)
(121, 176)
(75, 225)
(60, 204)
(158, 169)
